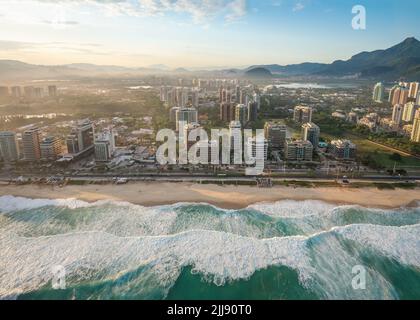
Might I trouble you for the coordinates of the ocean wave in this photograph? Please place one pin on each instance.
(321, 261)
(35, 217)
(105, 240)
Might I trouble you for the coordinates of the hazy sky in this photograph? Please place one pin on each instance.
(198, 33)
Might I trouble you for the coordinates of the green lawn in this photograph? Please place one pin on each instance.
(381, 154)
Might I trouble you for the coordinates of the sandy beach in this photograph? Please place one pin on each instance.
(229, 197)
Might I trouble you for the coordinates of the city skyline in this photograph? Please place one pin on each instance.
(197, 34)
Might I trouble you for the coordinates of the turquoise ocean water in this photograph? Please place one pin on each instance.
(282, 250)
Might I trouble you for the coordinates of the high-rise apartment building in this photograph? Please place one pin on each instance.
(298, 150)
(16, 92)
(257, 150)
(227, 112)
(397, 114)
(302, 114)
(102, 151)
(252, 111)
(9, 149)
(241, 113)
(311, 133)
(31, 140)
(378, 92)
(186, 115)
(235, 133)
(81, 138)
(415, 133)
(104, 145)
(409, 112)
(51, 148)
(414, 90)
(29, 92)
(188, 128)
(343, 149)
(52, 91)
(275, 133)
(172, 114)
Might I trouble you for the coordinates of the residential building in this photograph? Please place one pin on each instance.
(311, 133)
(186, 115)
(414, 90)
(258, 151)
(298, 150)
(4, 92)
(9, 149)
(235, 133)
(415, 132)
(302, 114)
(16, 92)
(72, 142)
(409, 112)
(343, 149)
(103, 152)
(29, 92)
(172, 114)
(52, 91)
(352, 117)
(378, 92)
(31, 140)
(51, 148)
(188, 128)
(241, 114)
(227, 112)
(397, 114)
(81, 138)
(275, 133)
(257, 100)
(252, 111)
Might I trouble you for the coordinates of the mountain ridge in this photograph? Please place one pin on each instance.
(400, 60)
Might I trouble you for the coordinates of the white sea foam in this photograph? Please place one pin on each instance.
(11, 203)
(400, 243)
(26, 263)
(123, 237)
(294, 209)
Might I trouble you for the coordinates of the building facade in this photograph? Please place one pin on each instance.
(31, 140)
(298, 150)
(343, 149)
(275, 133)
(311, 133)
(302, 114)
(9, 149)
(51, 148)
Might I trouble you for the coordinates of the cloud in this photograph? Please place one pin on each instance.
(61, 22)
(85, 48)
(199, 10)
(13, 45)
(298, 7)
(238, 9)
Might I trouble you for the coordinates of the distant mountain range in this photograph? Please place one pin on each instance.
(401, 60)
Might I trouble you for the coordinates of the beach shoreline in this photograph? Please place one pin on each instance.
(150, 194)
